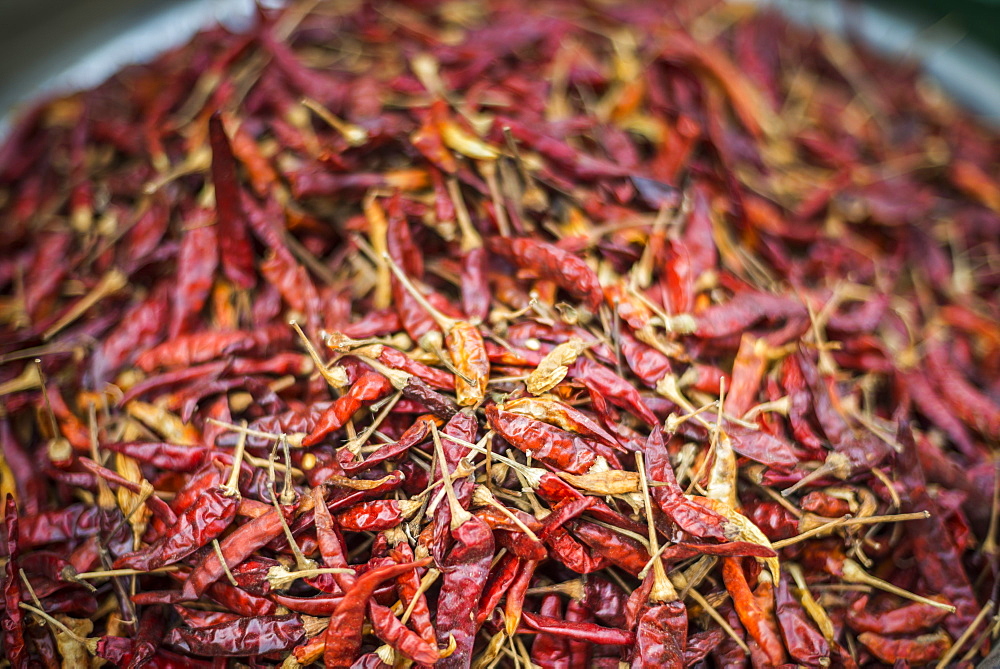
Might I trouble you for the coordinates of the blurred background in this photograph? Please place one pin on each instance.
(60, 43)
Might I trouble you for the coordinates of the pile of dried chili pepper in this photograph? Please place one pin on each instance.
(501, 334)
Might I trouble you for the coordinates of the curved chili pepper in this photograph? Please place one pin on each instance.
(368, 388)
(440, 405)
(661, 636)
(343, 636)
(614, 388)
(919, 650)
(12, 617)
(202, 522)
(578, 631)
(241, 637)
(465, 568)
(550, 262)
(234, 244)
(419, 431)
(404, 641)
(436, 378)
(547, 443)
(805, 643)
(235, 548)
(689, 516)
(754, 611)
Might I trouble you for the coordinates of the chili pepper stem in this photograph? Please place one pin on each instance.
(853, 573)
(109, 284)
(222, 560)
(848, 520)
(444, 322)
(489, 171)
(663, 589)
(294, 440)
(397, 378)
(717, 617)
(29, 379)
(301, 562)
(836, 464)
(574, 589)
(459, 516)
(335, 382)
(280, 577)
(354, 134)
(231, 488)
(89, 644)
(425, 584)
(354, 445)
(484, 497)
(113, 573)
(470, 237)
(432, 343)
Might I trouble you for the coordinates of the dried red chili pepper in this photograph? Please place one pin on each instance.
(545, 442)
(754, 611)
(240, 637)
(717, 233)
(200, 523)
(13, 626)
(234, 244)
(343, 636)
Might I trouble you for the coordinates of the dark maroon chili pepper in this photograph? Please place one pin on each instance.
(547, 443)
(205, 520)
(155, 504)
(419, 431)
(234, 244)
(465, 569)
(343, 636)
(549, 650)
(12, 618)
(804, 642)
(579, 631)
(241, 637)
(235, 548)
(661, 636)
(571, 273)
(196, 265)
(937, 558)
(440, 405)
(75, 521)
(908, 619)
